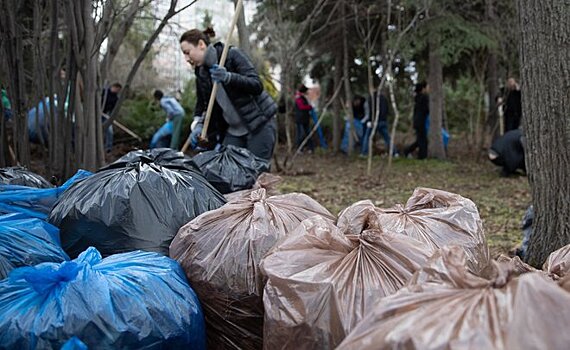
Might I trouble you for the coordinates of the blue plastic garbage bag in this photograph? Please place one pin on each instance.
(230, 168)
(359, 129)
(74, 344)
(137, 203)
(27, 241)
(22, 177)
(34, 202)
(136, 300)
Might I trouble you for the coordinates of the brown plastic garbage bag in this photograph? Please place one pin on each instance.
(220, 252)
(322, 278)
(266, 180)
(558, 262)
(446, 307)
(439, 219)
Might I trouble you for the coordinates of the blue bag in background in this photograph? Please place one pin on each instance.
(135, 300)
(27, 241)
(34, 202)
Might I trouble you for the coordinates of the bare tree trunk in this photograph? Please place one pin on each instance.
(286, 90)
(337, 114)
(435, 149)
(346, 74)
(545, 68)
(243, 31)
(492, 80)
(116, 39)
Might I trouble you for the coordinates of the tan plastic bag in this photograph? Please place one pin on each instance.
(447, 307)
(220, 252)
(439, 219)
(322, 278)
(266, 180)
(558, 262)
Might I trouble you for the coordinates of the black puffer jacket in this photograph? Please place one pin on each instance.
(421, 110)
(245, 90)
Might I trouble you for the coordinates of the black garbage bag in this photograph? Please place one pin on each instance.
(231, 168)
(138, 202)
(22, 177)
(507, 151)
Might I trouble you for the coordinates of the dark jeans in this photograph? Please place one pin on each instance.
(303, 129)
(421, 143)
(260, 143)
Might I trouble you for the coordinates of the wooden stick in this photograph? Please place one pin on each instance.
(215, 87)
(124, 128)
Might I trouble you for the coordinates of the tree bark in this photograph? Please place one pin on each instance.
(346, 74)
(435, 149)
(545, 68)
(243, 31)
(492, 80)
(337, 115)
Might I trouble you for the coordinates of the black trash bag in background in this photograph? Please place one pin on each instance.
(22, 177)
(231, 168)
(138, 202)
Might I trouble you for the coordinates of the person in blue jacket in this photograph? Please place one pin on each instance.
(173, 125)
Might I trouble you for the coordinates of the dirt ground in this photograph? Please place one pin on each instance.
(338, 181)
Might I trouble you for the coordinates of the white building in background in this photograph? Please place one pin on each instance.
(169, 61)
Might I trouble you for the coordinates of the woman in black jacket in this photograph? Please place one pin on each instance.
(421, 113)
(243, 113)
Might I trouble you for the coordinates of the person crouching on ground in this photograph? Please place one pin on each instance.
(243, 113)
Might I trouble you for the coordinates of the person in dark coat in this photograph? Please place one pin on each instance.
(513, 109)
(382, 128)
(243, 114)
(303, 117)
(109, 98)
(507, 151)
(421, 113)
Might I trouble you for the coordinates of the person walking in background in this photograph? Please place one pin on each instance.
(421, 113)
(381, 103)
(243, 114)
(173, 125)
(302, 117)
(513, 108)
(109, 98)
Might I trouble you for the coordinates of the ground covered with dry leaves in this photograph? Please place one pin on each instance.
(337, 181)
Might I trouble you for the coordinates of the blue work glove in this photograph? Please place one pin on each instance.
(220, 74)
(194, 136)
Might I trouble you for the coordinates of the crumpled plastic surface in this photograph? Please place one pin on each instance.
(447, 307)
(558, 262)
(231, 168)
(220, 252)
(136, 300)
(138, 202)
(22, 177)
(323, 278)
(74, 344)
(26, 242)
(35, 202)
(438, 218)
(266, 181)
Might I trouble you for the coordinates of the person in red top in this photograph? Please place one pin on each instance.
(303, 116)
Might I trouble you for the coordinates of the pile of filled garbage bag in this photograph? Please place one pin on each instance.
(147, 253)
